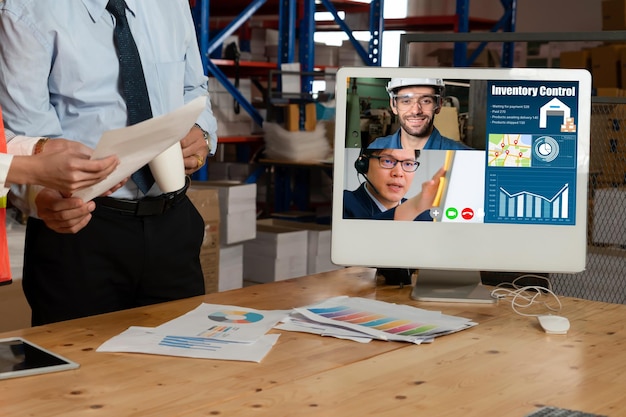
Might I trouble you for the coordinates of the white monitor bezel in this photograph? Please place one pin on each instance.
(539, 248)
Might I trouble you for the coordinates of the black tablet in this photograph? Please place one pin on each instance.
(19, 357)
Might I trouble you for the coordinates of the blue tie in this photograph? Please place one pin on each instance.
(132, 80)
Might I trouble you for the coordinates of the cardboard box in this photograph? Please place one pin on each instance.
(606, 66)
(318, 243)
(237, 203)
(613, 15)
(326, 55)
(259, 39)
(622, 64)
(230, 123)
(575, 59)
(609, 92)
(348, 56)
(277, 253)
(292, 117)
(231, 267)
(206, 202)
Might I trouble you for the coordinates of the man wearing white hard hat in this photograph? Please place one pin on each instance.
(416, 101)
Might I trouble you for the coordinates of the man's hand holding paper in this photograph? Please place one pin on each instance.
(141, 143)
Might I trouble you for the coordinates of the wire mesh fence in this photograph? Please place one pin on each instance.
(604, 278)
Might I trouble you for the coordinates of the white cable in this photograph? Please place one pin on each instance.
(526, 296)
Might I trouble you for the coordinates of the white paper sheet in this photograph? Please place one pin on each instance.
(298, 323)
(224, 322)
(139, 144)
(384, 321)
(150, 341)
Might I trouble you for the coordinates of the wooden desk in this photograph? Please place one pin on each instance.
(505, 366)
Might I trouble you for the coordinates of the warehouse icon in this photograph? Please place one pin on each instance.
(555, 107)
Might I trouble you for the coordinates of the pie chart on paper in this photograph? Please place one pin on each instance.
(241, 317)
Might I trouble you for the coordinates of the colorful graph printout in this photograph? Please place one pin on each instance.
(383, 320)
(236, 316)
(148, 340)
(223, 322)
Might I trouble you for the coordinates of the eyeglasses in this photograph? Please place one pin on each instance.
(426, 102)
(387, 162)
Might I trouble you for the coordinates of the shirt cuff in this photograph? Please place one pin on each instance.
(22, 145)
(5, 164)
(23, 196)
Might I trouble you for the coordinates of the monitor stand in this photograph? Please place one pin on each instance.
(450, 286)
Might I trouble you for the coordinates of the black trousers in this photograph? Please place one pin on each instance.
(117, 261)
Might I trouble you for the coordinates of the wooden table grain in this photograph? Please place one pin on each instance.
(505, 366)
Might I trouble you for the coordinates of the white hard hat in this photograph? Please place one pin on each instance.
(395, 83)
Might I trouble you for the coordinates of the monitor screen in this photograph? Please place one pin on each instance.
(500, 185)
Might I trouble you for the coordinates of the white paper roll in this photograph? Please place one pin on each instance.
(168, 169)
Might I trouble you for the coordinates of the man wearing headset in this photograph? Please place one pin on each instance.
(416, 101)
(388, 177)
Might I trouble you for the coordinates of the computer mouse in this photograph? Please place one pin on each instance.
(554, 324)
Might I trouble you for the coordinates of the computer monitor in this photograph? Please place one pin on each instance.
(517, 201)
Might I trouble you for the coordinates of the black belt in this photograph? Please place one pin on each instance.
(147, 206)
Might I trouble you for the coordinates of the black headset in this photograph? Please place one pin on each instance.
(362, 163)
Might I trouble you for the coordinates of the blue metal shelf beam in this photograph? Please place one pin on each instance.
(209, 45)
(287, 36)
(506, 24)
(286, 31)
(377, 26)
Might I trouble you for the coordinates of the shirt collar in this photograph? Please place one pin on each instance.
(380, 205)
(97, 8)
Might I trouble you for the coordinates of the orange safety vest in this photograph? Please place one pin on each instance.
(5, 266)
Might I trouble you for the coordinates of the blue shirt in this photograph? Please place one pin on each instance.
(60, 69)
(435, 141)
(358, 204)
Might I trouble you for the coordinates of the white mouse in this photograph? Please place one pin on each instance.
(554, 324)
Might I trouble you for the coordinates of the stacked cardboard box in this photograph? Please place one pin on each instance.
(277, 253)
(231, 171)
(606, 65)
(231, 267)
(206, 202)
(260, 39)
(237, 207)
(607, 61)
(318, 243)
(237, 204)
(613, 15)
(576, 59)
(229, 122)
(349, 57)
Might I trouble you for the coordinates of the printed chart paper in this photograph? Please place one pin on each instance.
(210, 331)
(384, 321)
(224, 322)
(149, 340)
